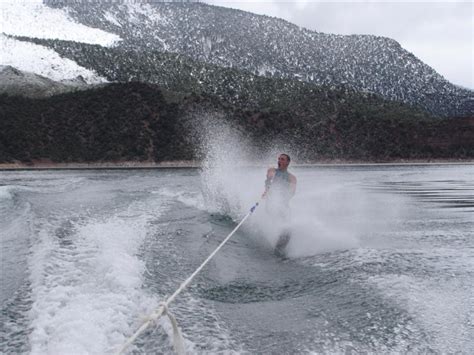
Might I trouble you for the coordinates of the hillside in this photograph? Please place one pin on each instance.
(141, 122)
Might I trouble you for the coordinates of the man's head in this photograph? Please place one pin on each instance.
(283, 161)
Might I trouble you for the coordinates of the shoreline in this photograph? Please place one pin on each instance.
(188, 164)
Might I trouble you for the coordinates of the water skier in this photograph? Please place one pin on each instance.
(280, 187)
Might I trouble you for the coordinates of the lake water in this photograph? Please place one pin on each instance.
(381, 259)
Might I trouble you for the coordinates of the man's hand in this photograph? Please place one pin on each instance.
(271, 173)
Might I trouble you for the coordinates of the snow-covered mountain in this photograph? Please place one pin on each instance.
(228, 38)
(31, 18)
(43, 61)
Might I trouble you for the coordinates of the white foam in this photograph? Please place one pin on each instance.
(15, 231)
(5, 193)
(189, 198)
(87, 295)
(440, 307)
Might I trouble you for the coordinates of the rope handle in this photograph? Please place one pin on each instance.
(178, 341)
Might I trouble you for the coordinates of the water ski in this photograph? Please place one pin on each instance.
(283, 240)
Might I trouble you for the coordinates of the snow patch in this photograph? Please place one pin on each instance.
(43, 61)
(111, 18)
(135, 10)
(266, 69)
(34, 19)
(143, 9)
(156, 17)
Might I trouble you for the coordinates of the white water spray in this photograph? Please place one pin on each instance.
(326, 213)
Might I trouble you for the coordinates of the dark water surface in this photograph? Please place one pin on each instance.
(381, 260)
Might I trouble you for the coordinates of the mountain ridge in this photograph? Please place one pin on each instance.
(276, 48)
(268, 47)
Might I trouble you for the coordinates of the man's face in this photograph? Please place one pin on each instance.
(283, 162)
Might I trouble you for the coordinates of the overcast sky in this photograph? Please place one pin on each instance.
(440, 33)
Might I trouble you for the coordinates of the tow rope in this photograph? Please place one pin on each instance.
(178, 342)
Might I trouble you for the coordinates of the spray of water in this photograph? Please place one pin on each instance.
(226, 152)
(326, 214)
